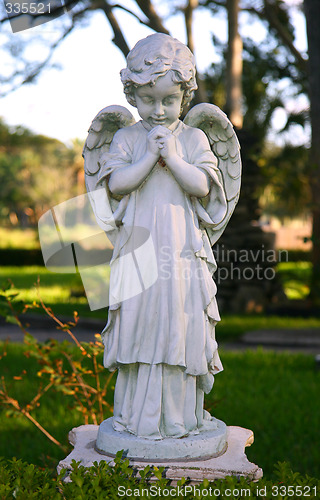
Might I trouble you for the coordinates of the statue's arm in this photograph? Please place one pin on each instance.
(191, 178)
(127, 179)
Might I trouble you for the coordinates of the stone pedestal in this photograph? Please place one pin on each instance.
(206, 444)
(232, 462)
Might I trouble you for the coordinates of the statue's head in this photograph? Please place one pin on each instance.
(155, 56)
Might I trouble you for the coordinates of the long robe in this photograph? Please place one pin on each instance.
(162, 340)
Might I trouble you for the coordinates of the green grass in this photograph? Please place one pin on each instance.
(19, 238)
(19, 437)
(62, 291)
(275, 395)
(295, 277)
(233, 326)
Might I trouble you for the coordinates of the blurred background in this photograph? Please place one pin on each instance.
(259, 61)
(58, 71)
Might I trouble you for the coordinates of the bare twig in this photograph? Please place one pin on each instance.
(99, 395)
(83, 386)
(133, 14)
(14, 403)
(40, 394)
(60, 323)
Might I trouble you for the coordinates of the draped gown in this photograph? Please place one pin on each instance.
(162, 340)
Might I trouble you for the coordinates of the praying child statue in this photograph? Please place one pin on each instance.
(179, 181)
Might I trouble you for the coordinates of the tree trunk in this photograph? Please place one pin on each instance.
(234, 66)
(245, 253)
(312, 11)
(200, 95)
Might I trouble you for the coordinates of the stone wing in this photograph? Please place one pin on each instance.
(225, 146)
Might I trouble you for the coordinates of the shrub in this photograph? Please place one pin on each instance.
(23, 481)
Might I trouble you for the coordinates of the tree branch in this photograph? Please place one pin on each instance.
(33, 73)
(206, 3)
(155, 21)
(118, 38)
(141, 21)
(268, 14)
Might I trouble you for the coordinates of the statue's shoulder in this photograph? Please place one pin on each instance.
(190, 133)
(129, 133)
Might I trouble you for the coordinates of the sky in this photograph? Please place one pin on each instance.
(63, 102)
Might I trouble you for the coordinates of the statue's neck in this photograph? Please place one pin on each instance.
(172, 127)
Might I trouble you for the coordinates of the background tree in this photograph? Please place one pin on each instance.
(312, 10)
(258, 93)
(31, 168)
(233, 105)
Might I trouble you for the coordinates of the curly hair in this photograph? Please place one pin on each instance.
(155, 56)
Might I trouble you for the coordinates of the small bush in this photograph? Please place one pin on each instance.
(24, 481)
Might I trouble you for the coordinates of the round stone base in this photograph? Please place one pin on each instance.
(205, 445)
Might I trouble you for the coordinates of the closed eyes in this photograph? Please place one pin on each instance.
(166, 101)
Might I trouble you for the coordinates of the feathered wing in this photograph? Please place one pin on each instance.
(102, 129)
(100, 134)
(225, 146)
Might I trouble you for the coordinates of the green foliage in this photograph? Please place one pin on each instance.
(286, 172)
(295, 277)
(62, 291)
(76, 374)
(36, 173)
(23, 481)
(101, 481)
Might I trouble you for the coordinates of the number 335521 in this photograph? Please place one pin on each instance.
(27, 8)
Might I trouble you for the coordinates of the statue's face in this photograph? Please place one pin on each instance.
(160, 104)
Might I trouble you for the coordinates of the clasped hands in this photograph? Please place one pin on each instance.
(162, 142)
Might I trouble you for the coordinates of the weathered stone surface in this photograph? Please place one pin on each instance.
(233, 462)
(205, 444)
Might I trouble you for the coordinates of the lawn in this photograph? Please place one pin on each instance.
(19, 238)
(275, 395)
(64, 293)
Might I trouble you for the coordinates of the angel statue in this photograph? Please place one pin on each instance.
(179, 181)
